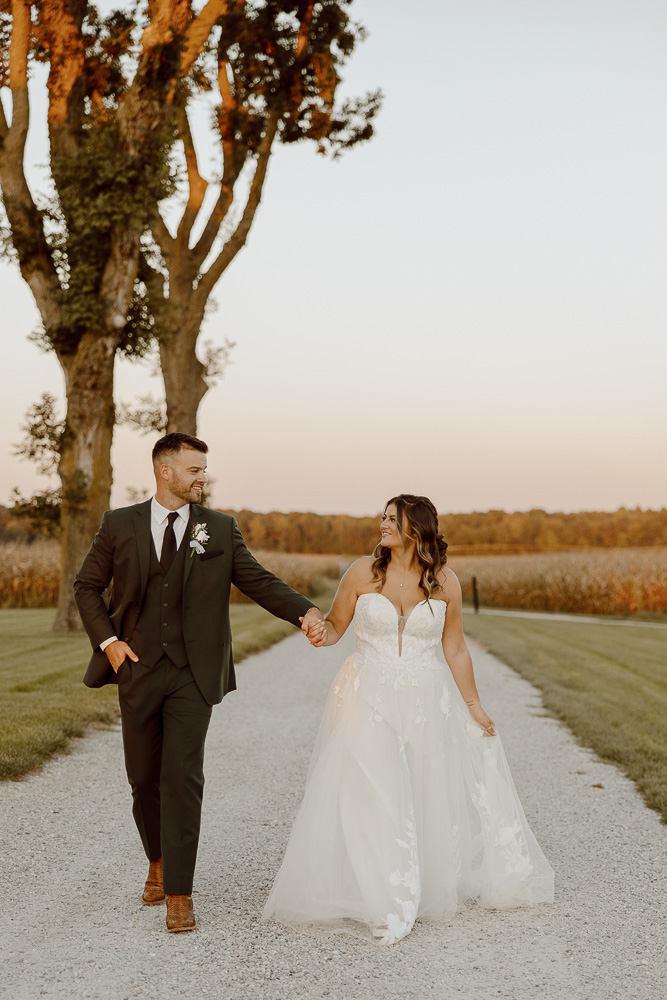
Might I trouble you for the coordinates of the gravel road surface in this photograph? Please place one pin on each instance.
(73, 871)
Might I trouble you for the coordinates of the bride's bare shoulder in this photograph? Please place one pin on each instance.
(361, 567)
(359, 573)
(449, 582)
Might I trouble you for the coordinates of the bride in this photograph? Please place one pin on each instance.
(409, 807)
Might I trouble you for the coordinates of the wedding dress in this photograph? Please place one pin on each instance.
(409, 809)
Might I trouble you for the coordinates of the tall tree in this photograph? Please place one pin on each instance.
(105, 270)
(272, 70)
(79, 250)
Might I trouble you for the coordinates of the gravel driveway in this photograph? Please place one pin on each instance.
(72, 870)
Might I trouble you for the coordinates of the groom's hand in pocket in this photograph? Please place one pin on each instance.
(117, 652)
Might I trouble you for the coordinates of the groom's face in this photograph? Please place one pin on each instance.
(186, 475)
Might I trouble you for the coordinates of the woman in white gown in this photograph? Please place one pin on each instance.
(409, 807)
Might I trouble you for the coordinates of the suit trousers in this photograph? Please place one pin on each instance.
(165, 719)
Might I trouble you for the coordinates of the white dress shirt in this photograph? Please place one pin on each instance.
(159, 515)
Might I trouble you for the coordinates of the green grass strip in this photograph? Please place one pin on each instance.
(43, 703)
(607, 684)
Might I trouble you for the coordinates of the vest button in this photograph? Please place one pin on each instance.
(164, 625)
(165, 585)
(165, 605)
(164, 643)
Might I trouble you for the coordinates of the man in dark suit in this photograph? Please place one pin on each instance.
(165, 640)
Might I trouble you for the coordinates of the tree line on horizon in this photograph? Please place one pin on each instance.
(492, 530)
(497, 530)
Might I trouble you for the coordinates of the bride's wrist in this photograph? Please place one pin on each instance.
(473, 704)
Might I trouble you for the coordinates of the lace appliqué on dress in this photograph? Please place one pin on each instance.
(400, 922)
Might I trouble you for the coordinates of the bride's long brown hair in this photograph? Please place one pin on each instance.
(416, 517)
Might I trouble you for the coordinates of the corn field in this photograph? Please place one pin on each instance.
(594, 581)
(302, 572)
(29, 573)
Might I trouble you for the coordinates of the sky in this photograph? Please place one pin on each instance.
(471, 306)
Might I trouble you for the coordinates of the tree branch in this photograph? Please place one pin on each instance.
(144, 103)
(19, 45)
(232, 167)
(67, 58)
(34, 256)
(4, 127)
(198, 31)
(238, 238)
(117, 285)
(165, 17)
(162, 237)
(304, 30)
(196, 184)
(18, 74)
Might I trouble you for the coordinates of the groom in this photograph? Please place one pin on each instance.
(165, 640)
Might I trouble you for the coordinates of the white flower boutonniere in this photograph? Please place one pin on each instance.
(199, 537)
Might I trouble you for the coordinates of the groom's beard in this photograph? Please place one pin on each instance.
(187, 492)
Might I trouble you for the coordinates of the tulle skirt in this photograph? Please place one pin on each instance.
(409, 809)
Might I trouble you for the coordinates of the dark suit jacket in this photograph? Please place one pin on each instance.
(121, 552)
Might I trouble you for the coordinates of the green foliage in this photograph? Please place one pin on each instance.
(108, 43)
(102, 189)
(41, 511)
(148, 317)
(215, 359)
(259, 42)
(5, 38)
(148, 417)
(43, 433)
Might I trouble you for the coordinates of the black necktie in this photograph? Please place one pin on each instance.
(169, 543)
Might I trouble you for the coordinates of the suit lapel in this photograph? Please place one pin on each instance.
(142, 530)
(196, 516)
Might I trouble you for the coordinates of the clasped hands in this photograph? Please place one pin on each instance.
(314, 627)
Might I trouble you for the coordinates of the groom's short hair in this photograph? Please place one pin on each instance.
(174, 442)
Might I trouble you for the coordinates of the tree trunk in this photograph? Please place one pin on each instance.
(85, 464)
(183, 374)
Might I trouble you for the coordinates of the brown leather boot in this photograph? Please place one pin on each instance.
(153, 891)
(180, 914)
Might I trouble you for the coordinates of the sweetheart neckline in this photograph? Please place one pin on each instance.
(376, 593)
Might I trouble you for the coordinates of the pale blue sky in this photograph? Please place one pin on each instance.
(472, 306)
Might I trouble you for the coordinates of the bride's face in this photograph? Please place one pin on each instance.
(389, 533)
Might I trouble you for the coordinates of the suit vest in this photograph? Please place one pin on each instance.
(159, 628)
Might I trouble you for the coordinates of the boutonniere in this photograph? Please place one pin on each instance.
(198, 539)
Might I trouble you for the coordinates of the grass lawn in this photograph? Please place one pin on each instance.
(43, 703)
(607, 683)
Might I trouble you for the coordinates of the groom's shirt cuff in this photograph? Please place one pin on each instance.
(107, 642)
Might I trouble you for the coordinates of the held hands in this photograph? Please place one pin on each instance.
(117, 652)
(314, 628)
(480, 716)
